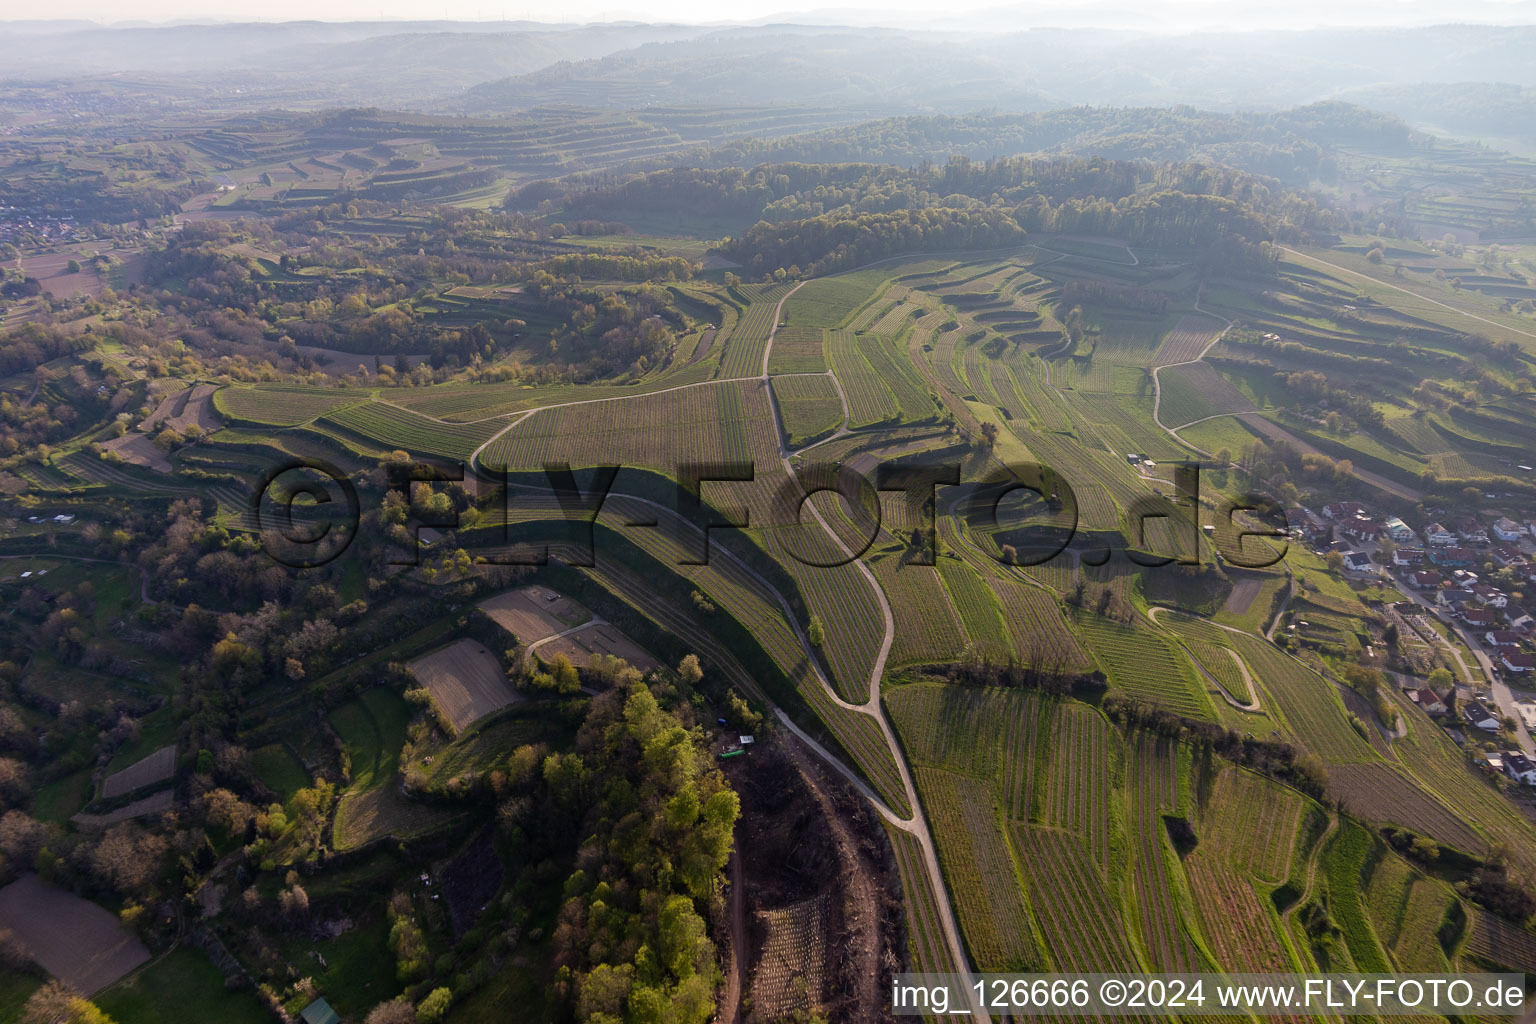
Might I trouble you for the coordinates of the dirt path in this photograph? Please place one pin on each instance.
(1405, 291)
(1157, 383)
(1252, 703)
(741, 955)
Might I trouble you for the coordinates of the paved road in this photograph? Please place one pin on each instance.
(1502, 696)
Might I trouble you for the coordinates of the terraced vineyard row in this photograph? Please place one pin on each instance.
(979, 870)
(925, 928)
(1035, 624)
(869, 400)
(1164, 931)
(1188, 339)
(891, 368)
(1141, 663)
(798, 350)
(1377, 791)
(1307, 704)
(959, 729)
(744, 348)
(1408, 912)
(1082, 927)
(927, 629)
(393, 427)
(281, 406)
(1085, 769)
(979, 614)
(1253, 824)
(708, 423)
(810, 407)
(841, 597)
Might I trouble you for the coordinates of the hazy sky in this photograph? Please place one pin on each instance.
(1142, 13)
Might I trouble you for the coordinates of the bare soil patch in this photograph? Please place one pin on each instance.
(71, 938)
(170, 405)
(465, 680)
(532, 614)
(584, 645)
(821, 892)
(1242, 595)
(139, 450)
(155, 803)
(198, 409)
(146, 771)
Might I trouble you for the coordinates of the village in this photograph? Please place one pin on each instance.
(1471, 573)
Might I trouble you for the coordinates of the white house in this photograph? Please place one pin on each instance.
(1514, 662)
(1479, 717)
(1508, 529)
(1438, 536)
(1520, 768)
(1431, 702)
(1398, 530)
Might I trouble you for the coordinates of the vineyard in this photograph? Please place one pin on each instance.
(1141, 663)
(1164, 930)
(1381, 792)
(979, 869)
(393, 427)
(1187, 340)
(869, 400)
(1035, 625)
(974, 600)
(1196, 391)
(798, 350)
(699, 424)
(745, 347)
(1346, 861)
(927, 629)
(280, 405)
(1085, 770)
(1079, 920)
(1409, 911)
(809, 406)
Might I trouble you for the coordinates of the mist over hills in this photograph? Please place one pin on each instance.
(1466, 80)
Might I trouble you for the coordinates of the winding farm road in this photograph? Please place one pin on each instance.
(916, 825)
(1405, 291)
